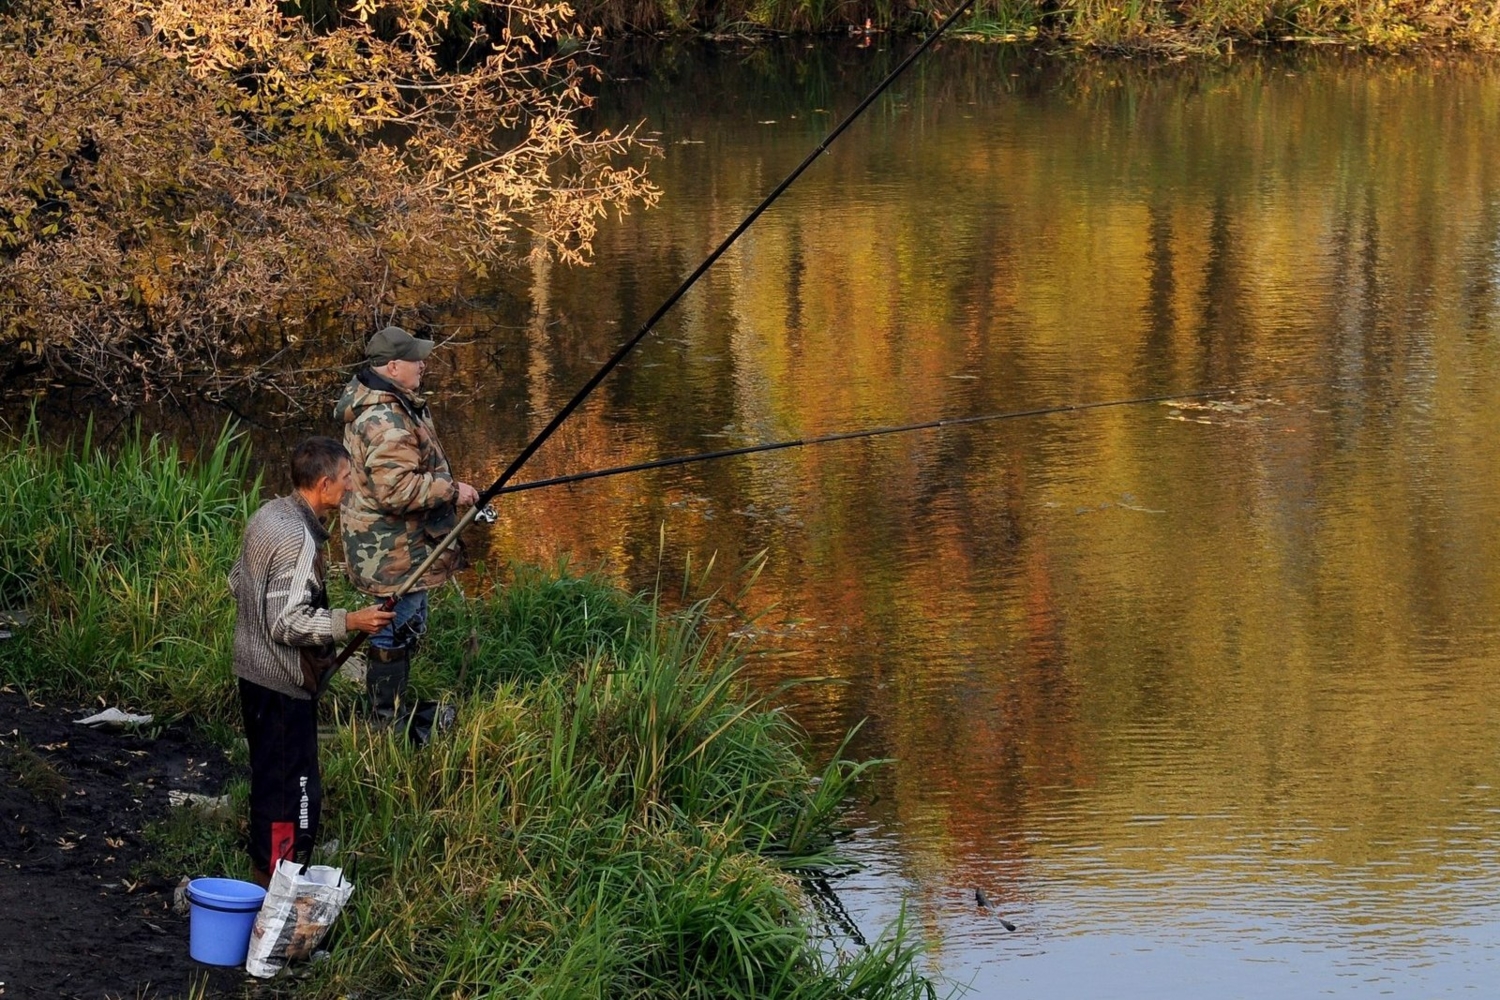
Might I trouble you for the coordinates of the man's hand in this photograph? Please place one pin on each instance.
(468, 496)
(368, 620)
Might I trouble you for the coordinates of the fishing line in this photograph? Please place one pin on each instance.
(869, 432)
(588, 387)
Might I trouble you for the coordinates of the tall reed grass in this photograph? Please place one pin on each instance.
(614, 815)
(626, 828)
(121, 558)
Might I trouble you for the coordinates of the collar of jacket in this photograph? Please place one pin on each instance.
(318, 528)
(371, 379)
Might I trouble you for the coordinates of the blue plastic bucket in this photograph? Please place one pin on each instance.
(223, 912)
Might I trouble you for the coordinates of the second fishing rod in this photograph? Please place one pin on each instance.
(884, 431)
(620, 354)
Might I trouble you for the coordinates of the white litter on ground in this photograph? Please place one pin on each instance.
(115, 717)
(208, 805)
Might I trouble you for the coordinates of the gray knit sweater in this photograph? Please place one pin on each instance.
(275, 582)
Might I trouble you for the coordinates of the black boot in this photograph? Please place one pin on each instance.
(386, 673)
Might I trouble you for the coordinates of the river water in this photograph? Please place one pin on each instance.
(1202, 692)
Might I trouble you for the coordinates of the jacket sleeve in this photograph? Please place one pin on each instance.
(289, 613)
(392, 458)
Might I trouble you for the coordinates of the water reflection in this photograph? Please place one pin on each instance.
(1202, 694)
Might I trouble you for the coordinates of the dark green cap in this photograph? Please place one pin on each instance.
(395, 344)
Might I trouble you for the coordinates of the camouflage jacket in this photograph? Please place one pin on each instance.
(402, 503)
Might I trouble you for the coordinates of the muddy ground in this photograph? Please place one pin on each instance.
(76, 917)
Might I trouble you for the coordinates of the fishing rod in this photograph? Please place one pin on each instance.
(868, 432)
(588, 387)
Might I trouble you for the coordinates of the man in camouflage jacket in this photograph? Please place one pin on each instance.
(404, 500)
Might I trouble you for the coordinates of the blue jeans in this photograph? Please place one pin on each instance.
(412, 606)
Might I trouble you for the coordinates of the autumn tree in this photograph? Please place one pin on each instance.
(190, 188)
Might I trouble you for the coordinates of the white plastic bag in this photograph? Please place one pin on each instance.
(300, 906)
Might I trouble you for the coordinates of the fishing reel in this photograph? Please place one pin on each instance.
(408, 634)
(487, 514)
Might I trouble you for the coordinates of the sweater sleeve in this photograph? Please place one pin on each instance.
(289, 612)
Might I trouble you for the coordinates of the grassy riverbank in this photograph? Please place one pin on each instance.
(1110, 25)
(613, 816)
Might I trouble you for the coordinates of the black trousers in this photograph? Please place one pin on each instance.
(286, 791)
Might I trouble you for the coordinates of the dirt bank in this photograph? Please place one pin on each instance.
(77, 919)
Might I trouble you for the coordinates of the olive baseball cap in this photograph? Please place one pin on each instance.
(395, 344)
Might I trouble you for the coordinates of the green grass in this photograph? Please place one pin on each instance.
(625, 828)
(121, 559)
(615, 814)
(548, 621)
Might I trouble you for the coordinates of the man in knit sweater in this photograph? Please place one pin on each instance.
(284, 638)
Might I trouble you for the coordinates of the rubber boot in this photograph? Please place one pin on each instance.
(386, 673)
